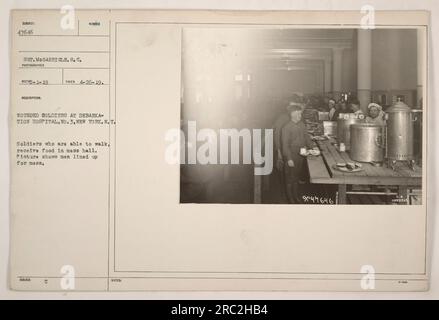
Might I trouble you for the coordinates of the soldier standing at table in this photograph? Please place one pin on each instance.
(294, 137)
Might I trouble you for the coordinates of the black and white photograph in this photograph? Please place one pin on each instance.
(281, 115)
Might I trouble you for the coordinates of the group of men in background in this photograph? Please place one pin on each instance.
(291, 135)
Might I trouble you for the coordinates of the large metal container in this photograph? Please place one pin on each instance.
(417, 135)
(330, 128)
(367, 142)
(323, 116)
(400, 121)
(343, 128)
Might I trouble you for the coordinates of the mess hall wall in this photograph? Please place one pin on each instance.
(223, 76)
(394, 64)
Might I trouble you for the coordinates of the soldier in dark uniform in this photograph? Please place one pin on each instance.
(280, 122)
(294, 137)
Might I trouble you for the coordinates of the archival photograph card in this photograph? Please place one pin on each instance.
(218, 150)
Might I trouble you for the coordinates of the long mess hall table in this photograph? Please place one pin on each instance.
(322, 171)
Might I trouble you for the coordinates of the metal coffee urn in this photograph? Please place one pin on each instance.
(399, 137)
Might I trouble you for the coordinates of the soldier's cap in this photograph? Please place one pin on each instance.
(294, 106)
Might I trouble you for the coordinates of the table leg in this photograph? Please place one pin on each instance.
(341, 194)
(266, 182)
(257, 189)
(403, 194)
